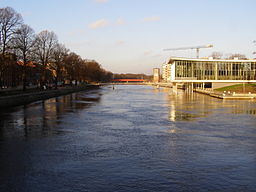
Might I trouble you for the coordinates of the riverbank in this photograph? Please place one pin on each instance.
(21, 98)
(235, 92)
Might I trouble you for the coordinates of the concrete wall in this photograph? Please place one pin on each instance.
(22, 99)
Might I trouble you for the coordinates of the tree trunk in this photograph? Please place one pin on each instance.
(24, 79)
(43, 76)
(24, 74)
(56, 82)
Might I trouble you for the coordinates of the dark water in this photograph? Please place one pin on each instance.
(133, 138)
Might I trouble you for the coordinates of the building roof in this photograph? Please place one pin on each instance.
(208, 60)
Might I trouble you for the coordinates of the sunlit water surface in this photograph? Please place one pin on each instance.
(132, 138)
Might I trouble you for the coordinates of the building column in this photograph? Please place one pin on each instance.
(216, 71)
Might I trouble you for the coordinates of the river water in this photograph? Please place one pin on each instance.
(132, 138)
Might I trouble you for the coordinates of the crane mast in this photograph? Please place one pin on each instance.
(197, 48)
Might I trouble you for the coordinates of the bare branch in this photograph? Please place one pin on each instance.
(10, 20)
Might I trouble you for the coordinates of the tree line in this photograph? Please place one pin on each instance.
(219, 55)
(40, 59)
(132, 76)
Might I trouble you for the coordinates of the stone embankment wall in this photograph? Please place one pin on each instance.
(25, 98)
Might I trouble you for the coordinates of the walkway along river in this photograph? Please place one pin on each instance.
(132, 138)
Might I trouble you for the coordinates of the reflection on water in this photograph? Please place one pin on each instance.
(192, 106)
(43, 117)
(132, 138)
(244, 110)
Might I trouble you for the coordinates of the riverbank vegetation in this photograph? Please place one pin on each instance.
(133, 76)
(239, 88)
(30, 60)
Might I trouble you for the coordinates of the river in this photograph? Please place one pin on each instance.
(132, 138)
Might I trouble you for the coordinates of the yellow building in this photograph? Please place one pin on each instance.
(156, 75)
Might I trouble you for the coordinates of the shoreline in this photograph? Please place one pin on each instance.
(227, 95)
(26, 98)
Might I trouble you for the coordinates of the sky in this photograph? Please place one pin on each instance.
(128, 36)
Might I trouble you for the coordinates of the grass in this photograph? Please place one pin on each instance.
(239, 88)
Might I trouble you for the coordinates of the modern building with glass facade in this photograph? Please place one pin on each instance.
(209, 70)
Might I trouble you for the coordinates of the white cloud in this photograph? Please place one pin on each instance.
(120, 21)
(99, 24)
(101, 1)
(151, 19)
(120, 42)
(149, 52)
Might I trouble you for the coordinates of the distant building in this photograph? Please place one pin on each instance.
(156, 75)
(166, 73)
(209, 70)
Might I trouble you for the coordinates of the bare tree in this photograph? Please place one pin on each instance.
(216, 55)
(93, 70)
(238, 55)
(73, 67)
(23, 41)
(10, 20)
(57, 66)
(45, 42)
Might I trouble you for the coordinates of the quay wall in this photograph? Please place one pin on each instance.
(25, 98)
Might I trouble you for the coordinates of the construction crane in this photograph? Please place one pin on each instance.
(196, 48)
(255, 44)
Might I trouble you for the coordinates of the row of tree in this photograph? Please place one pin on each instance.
(132, 76)
(219, 55)
(29, 58)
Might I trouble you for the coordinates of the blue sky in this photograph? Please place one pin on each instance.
(130, 35)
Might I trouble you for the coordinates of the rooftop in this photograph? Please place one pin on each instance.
(209, 59)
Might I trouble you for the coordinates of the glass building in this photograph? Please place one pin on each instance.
(209, 69)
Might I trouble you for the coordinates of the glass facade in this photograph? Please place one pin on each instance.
(214, 69)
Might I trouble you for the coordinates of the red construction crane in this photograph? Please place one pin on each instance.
(196, 48)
